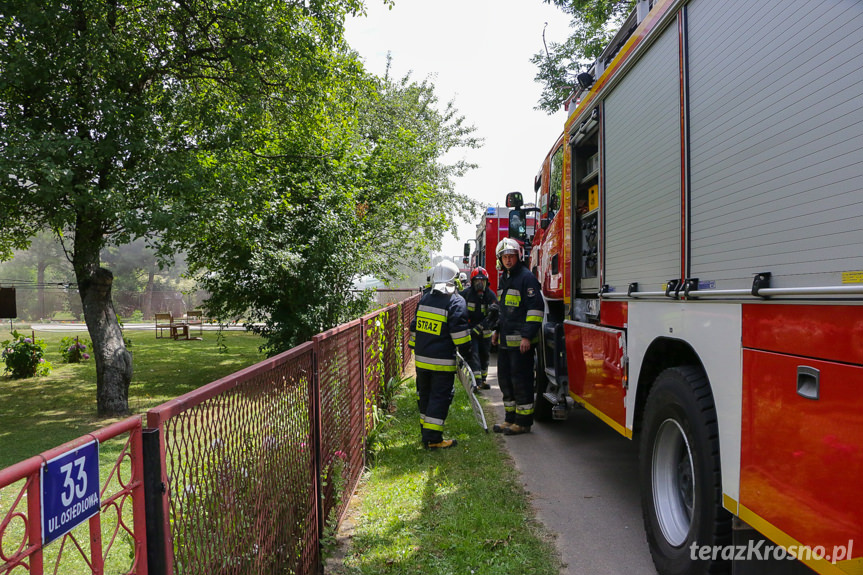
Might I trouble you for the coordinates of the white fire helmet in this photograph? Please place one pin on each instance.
(508, 246)
(443, 277)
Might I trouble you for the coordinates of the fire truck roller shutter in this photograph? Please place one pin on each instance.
(642, 171)
(775, 161)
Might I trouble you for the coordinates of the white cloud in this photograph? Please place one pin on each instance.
(477, 52)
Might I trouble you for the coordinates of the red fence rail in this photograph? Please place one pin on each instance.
(240, 476)
(113, 537)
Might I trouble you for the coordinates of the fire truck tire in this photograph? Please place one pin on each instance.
(680, 474)
(542, 407)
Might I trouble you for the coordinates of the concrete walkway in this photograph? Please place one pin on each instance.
(582, 479)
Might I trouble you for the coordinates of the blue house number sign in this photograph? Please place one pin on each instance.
(70, 490)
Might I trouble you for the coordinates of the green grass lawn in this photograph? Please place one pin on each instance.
(458, 511)
(39, 413)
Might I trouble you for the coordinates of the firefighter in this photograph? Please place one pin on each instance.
(482, 311)
(461, 283)
(521, 311)
(440, 327)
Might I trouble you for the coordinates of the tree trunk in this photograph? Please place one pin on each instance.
(40, 289)
(147, 306)
(113, 360)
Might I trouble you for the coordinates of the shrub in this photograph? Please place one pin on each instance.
(74, 350)
(24, 356)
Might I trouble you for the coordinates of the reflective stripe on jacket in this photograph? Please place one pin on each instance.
(521, 306)
(478, 307)
(440, 326)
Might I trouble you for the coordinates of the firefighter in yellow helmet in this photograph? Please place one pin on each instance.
(439, 329)
(519, 322)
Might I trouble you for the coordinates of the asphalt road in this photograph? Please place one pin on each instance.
(582, 478)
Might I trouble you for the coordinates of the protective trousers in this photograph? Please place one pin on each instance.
(478, 360)
(435, 390)
(515, 377)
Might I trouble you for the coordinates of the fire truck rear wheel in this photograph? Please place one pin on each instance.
(680, 474)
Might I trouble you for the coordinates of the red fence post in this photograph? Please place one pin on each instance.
(98, 563)
(34, 527)
(364, 369)
(316, 431)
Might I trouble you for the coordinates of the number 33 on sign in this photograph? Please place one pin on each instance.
(70, 490)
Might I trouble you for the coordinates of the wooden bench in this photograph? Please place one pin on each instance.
(177, 327)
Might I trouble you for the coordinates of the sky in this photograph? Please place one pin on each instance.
(476, 52)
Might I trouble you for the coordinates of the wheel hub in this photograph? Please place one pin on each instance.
(673, 479)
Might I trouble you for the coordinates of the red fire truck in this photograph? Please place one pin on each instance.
(700, 248)
(493, 227)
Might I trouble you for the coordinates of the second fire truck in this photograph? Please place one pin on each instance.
(493, 227)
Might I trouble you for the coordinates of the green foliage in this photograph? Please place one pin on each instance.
(74, 349)
(333, 474)
(382, 417)
(390, 390)
(24, 356)
(593, 24)
(113, 111)
(372, 188)
(247, 132)
(118, 117)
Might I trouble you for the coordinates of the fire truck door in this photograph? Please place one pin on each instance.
(596, 364)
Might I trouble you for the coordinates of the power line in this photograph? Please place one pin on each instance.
(29, 284)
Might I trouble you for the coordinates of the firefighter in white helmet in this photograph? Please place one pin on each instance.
(439, 329)
(519, 322)
(461, 284)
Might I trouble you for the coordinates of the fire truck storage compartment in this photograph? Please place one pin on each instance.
(589, 248)
(596, 368)
(803, 421)
(585, 175)
(641, 119)
(776, 173)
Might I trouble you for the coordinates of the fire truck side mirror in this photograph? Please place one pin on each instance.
(514, 200)
(544, 222)
(517, 224)
(467, 250)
